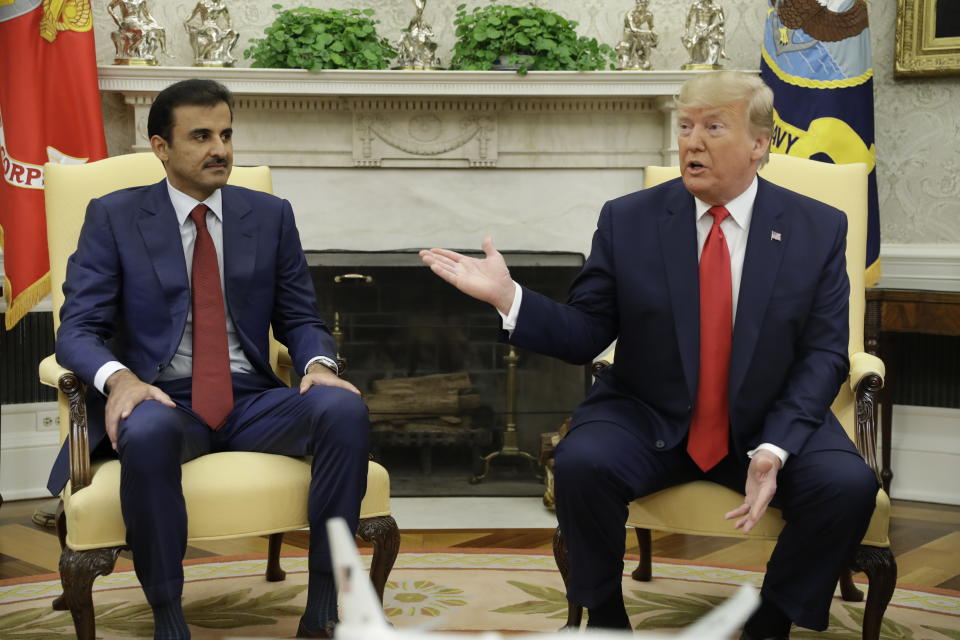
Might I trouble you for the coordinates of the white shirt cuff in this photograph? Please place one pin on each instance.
(329, 363)
(104, 372)
(783, 454)
(510, 319)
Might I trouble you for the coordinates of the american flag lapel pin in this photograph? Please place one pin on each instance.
(775, 236)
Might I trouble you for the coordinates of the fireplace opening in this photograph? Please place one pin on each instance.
(443, 391)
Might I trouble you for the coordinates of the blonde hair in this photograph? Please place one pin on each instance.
(724, 87)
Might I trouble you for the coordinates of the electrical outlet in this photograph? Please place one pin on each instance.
(48, 421)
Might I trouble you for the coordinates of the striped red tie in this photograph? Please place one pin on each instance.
(709, 431)
(212, 390)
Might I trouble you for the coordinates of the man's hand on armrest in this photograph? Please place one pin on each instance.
(124, 392)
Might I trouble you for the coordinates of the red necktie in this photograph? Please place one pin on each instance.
(710, 428)
(212, 385)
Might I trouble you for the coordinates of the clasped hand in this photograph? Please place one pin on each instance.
(760, 488)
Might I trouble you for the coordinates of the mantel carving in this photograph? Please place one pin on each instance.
(451, 138)
(442, 119)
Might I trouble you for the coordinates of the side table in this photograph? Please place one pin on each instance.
(903, 311)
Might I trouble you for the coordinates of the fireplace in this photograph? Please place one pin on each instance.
(407, 335)
(350, 151)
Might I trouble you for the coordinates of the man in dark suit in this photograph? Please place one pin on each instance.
(727, 296)
(170, 297)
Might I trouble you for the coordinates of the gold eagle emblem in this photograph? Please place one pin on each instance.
(820, 22)
(65, 15)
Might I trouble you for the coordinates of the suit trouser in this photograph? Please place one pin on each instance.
(329, 423)
(827, 496)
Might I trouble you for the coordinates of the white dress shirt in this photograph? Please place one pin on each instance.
(735, 228)
(181, 365)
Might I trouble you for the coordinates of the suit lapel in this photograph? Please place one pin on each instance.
(678, 241)
(760, 267)
(161, 235)
(239, 249)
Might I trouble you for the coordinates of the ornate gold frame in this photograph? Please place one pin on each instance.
(919, 52)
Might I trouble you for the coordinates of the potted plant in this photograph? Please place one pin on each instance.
(523, 38)
(314, 39)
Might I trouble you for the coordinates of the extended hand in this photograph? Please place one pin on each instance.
(125, 392)
(319, 375)
(759, 491)
(486, 279)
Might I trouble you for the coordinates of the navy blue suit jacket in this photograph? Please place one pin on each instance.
(640, 286)
(127, 292)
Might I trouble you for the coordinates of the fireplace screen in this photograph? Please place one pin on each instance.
(444, 393)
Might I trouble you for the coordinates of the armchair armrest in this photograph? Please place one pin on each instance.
(51, 371)
(67, 382)
(284, 364)
(866, 380)
(863, 364)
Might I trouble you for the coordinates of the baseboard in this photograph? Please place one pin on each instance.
(28, 449)
(925, 454)
(934, 267)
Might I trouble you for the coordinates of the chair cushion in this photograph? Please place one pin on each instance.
(229, 495)
(698, 507)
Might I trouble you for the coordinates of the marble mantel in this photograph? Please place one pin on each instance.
(340, 118)
(383, 160)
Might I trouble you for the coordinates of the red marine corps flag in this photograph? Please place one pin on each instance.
(49, 112)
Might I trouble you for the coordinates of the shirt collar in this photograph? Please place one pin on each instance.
(740, 208)
(184, 204)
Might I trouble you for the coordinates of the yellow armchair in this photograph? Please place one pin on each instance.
(698, 507)
(241, 503)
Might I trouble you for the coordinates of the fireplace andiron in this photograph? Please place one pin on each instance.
(509, 448)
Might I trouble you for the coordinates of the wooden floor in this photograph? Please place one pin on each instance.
(925, 540)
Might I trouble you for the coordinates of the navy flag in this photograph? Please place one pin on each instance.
(816, 57)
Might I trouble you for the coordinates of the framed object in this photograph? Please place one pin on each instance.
(928, 37)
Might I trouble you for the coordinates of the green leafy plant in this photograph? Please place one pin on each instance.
(314, 39)
(530, 37)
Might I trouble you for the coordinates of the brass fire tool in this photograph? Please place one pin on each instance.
(509, 448)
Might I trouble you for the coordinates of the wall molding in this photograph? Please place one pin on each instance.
(925, 454)
(26, 454)
(934, 267)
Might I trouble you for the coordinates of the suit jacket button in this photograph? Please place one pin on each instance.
(659, 444)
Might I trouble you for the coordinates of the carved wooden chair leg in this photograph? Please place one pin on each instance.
(383, 533)
(60, 602)
(881, 569)
(644, 570)
(562, 557)
(78, 569)
(274, 572)
(849, 590)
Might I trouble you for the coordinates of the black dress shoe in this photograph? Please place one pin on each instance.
(326, 632)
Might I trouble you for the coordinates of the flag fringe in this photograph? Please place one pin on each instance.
(27, 300)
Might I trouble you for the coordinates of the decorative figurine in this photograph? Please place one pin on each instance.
(138, 36)
(416, 47)
(211, 36)
(704, 35)
(633, 50)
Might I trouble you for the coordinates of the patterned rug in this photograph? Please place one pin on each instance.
(463, 590)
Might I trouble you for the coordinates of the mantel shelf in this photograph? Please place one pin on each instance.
(340, 82)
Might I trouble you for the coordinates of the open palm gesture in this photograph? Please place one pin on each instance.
(486, 279)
